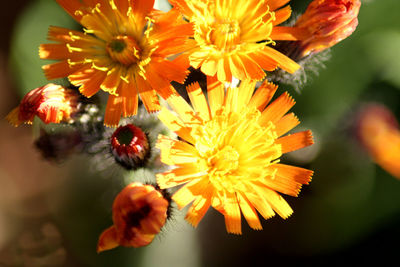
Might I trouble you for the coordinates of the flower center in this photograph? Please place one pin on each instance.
(123, 49)
(224, 161)
(226, 35)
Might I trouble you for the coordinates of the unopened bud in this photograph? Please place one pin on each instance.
(328, 22)
(139, 213)
(130, 146)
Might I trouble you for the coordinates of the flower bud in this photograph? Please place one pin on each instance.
(130, 146)
(59, 145)
(378, 132)
(51, 103)
(139, 213)
(328, 22)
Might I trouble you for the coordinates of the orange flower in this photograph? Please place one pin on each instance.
(123, 51)
(51, 103)
(229, 156)
(379, 132)
(232, 37)
(329, 22)
(139, 212)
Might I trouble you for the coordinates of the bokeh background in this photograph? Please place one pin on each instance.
(52, 213)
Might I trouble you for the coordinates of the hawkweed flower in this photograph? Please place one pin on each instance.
(328, 22)
(378, 131)
(232, 37)
(229, 155)
(130, 146)
(51, 103)
(139, 211)
(123, 51)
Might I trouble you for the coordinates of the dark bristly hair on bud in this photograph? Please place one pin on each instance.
(130, 146)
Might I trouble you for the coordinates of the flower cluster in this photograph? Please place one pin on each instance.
(225, 146)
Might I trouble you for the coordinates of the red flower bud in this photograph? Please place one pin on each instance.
(328, 22)
(130, 146)
(139, 212)
(51, 103)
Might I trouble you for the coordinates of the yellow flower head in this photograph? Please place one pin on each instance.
(231, 36)
(122, 51)
(229, 158)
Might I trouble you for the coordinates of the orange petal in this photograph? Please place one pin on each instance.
(278, 204)
(277, 109)
(71, 6)
(112, 81)
(113, 111)
(13, 117)
(232, 214)
(216, 94)
(284, 62)
(249, 212)
(288, 33)
(282, 15)
(175, 124)
(275, 4)
(92, 85)
(59, 70)
(186, 194)
(199, 208)
(286, 123)
(107, 240)
(297, 174)
(246, 90)
(254, 71)
(148, 95)
(198, 101)
(295, 141)
(263, 95)
(53, 51)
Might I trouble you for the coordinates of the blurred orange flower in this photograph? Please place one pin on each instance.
(229, 156)
(328, 22)
(123, 51)
(51, 103)
(139, 212)
(232, 37)
(379, 132)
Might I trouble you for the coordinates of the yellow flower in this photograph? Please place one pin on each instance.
(232, 36)
(123, 51)
(229, 158)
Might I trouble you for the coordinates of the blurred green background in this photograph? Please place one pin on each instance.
(51, 215)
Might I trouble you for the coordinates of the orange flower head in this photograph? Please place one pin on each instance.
(130, 146)
(379, 133)
(328, 22)
(231, 37)
(139, 212)
(123, 51)
(51, 103)
(228, 157)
